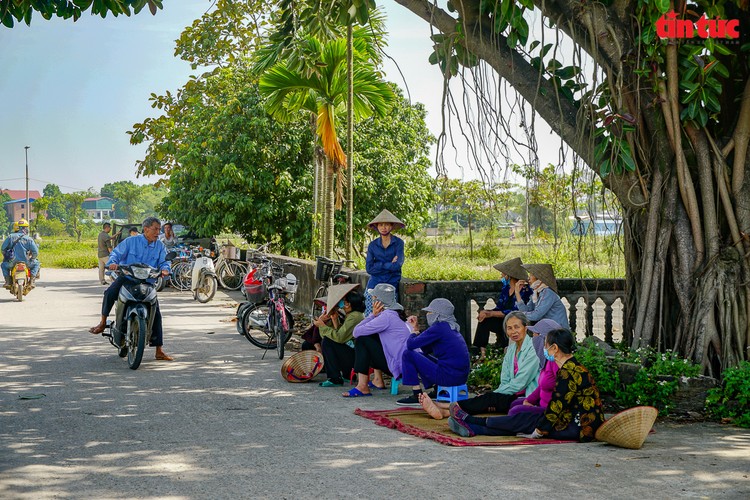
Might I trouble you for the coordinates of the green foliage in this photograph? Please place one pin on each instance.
(23, 10)
(603, 369)
(129, 198)
(67, 254)
(50, 227)
(5, 223)
(418, 248)
(487, 373)
(732, 399)
(56, 208)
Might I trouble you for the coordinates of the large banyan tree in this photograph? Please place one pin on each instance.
(664, 122)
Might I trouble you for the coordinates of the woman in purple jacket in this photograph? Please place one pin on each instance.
(380, 339)
(437, 356)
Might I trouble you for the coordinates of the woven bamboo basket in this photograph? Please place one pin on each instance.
(629, 428)
(302, 366)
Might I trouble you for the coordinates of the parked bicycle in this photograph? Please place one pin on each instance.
(231, 272)
(265, 319)
(329, 273)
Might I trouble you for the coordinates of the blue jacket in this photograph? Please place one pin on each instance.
(20, 243)
(380, 265)
(507, 303)
(549, 306)
(137, 250)
(450, 349)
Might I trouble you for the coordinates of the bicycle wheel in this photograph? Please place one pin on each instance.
(231, 275)
(280, 334)
(136, 341)
(182, 275)
(206, 288)
(241, 310)
(256, 326)
(317, 309)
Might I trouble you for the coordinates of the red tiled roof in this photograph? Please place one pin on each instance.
(20, 194)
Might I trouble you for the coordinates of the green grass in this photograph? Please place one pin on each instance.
(62, 253)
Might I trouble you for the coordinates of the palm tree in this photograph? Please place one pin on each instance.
(317, 84)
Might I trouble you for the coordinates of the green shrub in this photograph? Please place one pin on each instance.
(419, 248)
(68, 254)
(732, 399)
(487, 373)
(602, 369)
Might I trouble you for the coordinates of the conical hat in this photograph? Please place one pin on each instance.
(338, 292)
(386, 216)
(544, 273)
(513, 268)
(629, 428)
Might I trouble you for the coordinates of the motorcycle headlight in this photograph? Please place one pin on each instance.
(140, 273)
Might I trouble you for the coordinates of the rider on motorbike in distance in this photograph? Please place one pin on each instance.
(140, 249)
(19, 247)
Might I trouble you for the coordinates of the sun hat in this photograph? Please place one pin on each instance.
(513, 268)
(543, 273)
(338, 292)
(302, 366)
(386, 216)
(542, 328)
(444, 310)
(386, 294)
(629, 428)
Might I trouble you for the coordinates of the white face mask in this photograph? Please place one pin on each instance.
(431, 317)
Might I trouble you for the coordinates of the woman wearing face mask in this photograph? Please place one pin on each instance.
(385, 255)
(545, 302)
(437, 356)
(574, 411)
(492, 320)
(337, 345)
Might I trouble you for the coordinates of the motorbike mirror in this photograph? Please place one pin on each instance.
(171, 255)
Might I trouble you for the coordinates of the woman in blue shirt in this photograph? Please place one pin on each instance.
(545, 303)
(385, 255)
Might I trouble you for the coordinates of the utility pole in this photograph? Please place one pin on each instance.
(28, 206)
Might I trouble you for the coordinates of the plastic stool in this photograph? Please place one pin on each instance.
(394, 385)
(452, 393)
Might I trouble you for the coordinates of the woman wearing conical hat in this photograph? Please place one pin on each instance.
(385, 254)
(545, 303)
(492, 320)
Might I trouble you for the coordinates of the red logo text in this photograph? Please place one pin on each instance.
(669, 26)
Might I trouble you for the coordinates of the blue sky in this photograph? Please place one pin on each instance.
(72, 90)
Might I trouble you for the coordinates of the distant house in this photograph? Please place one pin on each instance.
(99, 208)
(18, 208)
(599, 225)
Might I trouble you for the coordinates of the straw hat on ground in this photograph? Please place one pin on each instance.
(513, 268)
(302, 366)
(543, 273)
(629, 428)
(386, 216)
(336, 293)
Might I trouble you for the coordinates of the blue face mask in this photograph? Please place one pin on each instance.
(341, 304)
(504, 281)
(548, 356)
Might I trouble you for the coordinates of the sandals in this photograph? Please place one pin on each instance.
(355, 393)
(329, 383)
(373, 386)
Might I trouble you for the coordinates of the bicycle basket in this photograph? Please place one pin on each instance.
(325, 268)
(255, 290)
(291, 283)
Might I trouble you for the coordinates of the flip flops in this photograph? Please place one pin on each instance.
(355, 393)
(373, 386)
(329, 383)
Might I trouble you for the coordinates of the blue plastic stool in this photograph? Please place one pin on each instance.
(394, 385)
(452, 393)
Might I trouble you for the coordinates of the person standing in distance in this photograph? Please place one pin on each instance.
(104, 245)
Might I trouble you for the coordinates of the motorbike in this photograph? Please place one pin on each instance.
(134, 313)
(20, 280)
(203, 282)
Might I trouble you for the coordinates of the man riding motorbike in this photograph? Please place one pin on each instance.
(19, 247)
(140, 249)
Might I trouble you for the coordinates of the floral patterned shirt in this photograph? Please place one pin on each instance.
(575, 400)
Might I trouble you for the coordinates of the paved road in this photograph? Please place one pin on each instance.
(219, 422)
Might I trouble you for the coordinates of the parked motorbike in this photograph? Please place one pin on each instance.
(134, 313)
(204, 282)
(20, 280)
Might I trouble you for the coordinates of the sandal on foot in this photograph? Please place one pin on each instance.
(355, 393)
(373, 386)
(329, 383)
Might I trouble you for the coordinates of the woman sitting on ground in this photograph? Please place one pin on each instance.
(545, 302)
(492, 320)
(436, 356)
(574, 411)
(380, 340)
(517, 378)
(337, 345)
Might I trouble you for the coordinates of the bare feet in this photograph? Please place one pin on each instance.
(431, 408)
(96, 330)
(163, 356)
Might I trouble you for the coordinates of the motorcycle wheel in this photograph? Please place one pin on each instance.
(161, 282)
(136, 341)
(19, 292)
(206, 288)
